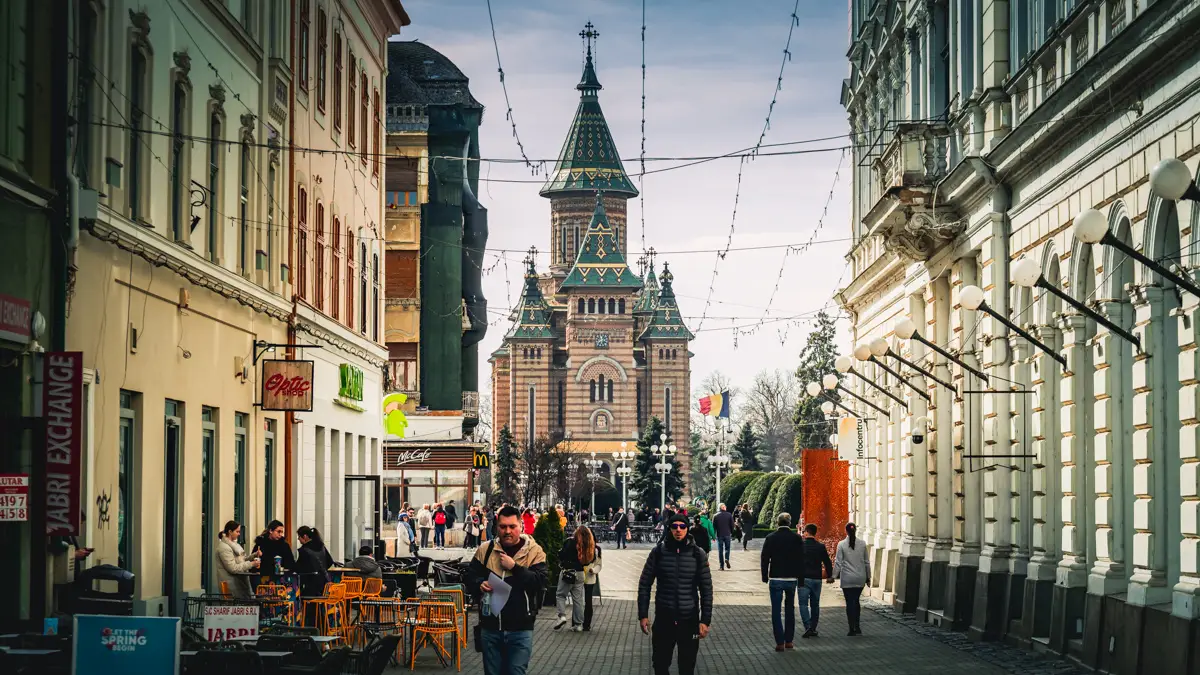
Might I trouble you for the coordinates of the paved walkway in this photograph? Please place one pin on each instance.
(741, 640)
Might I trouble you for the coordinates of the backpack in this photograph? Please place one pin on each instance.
(439, 518)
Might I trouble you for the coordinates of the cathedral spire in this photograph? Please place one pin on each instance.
(648, 300)
(667, 323)
(532, 313)
(600, 262)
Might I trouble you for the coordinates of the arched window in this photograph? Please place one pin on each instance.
(375, 297)
(335, 267)
(539, 353)
(301, 242)
(600, 388)
(214, 196)
(609, 396)
(531, 417)
(592, 391)
(674, 354)
(178, 161)
(562, 403)
(362, 287)
(349, 278)
(660, 355)
(138, 141)
(582, 305)
(591, 305)
(612, 306)
(621, 306)
(667, 408)
(600, 306)
(319, 256)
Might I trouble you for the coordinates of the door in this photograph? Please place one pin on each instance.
(171, 459)
(362, 514)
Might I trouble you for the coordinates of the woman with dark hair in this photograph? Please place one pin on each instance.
(577, 553)
(312, 562)
(234, 563)
(852, 565)
(271, 544)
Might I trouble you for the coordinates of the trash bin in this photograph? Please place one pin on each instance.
(88, 599)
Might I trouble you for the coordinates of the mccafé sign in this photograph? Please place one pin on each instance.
(287, 385)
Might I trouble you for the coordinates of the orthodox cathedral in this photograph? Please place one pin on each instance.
(595, 350)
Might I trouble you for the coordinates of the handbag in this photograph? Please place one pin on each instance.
(628, 535)
(569, 576)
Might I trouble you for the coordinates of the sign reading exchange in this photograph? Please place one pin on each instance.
(287, 385)
(62, 405)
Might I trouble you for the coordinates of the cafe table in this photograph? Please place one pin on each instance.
(319, 639)
(30, 652)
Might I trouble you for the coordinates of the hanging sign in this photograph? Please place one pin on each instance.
(226, 622)
(852, 443)
(287, 385)
(16, 319)
(62, 407)
(14, 497)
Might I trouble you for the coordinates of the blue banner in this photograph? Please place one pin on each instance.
(105, 645)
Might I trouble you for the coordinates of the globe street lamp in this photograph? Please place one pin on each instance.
(665, 452)
(831, 382)
(718, 462)
(1026, 273)
(624, 471)
(593, 468)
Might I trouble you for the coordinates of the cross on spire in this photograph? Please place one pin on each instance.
(651, 252)
(589, 34)
(531, 258)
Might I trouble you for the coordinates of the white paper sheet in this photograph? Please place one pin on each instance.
(500, 592)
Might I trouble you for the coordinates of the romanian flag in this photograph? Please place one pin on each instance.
(716, 405)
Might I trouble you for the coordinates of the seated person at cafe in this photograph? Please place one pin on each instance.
(366, 564)
(273, 542)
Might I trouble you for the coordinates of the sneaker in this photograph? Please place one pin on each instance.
(789, 645)
(562, 621)
(778, 648)
(808, 633)
(576, 629)
(816, 634)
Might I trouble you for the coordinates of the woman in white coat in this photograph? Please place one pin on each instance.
(233, 561)
(404, 537)
(852, 565)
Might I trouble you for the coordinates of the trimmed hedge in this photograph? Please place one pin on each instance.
(548, 533)
(734, 486)
(786, 497)
(767, 514)
(756, 494)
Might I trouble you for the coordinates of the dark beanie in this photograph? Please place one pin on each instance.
(677, 518)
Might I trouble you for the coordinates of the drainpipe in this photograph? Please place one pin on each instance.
(289, 418)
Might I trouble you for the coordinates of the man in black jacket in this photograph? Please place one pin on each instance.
(723, 524)
(782, 571)
(520, 563)
(620, 525)
(817, 566)
(682, 601)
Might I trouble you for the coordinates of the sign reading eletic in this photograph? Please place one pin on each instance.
(62, 406)
(852, 443)
(14, 497)
(287, 385)
(16, 319)
(226, 622)
(104, 645)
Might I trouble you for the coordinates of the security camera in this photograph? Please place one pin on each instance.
(920, 428)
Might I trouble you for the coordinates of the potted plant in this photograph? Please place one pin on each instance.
(548, 533)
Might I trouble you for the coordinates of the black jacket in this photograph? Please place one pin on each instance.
(701, 536)
(568, 557)
(274, 547)
(313, 563)
(723, 522)
(684, 582)
(783, 555)
(621, 522)
(816, 556)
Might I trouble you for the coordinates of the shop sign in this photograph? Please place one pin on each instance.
(287, 385)
(482, 460)
(851, 439)
(351, 382)
(226, 622)
(104, 645)
(62, 407)
(403, 457)
(16, 319)
(14, 497)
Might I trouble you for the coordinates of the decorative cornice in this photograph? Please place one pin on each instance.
(248, 120)
(141, 28)
(922, 235)
(183, 62)
(217, 93)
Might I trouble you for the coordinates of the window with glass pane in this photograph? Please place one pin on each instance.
(239, 468)
(208, 447)
(269, 473)
(125, 478)
(244, 210)
(214, 185)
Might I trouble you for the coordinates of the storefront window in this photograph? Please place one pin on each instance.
(426, 486)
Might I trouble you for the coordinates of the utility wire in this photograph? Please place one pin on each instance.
(508, 115)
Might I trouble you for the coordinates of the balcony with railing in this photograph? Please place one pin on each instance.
(470, 405)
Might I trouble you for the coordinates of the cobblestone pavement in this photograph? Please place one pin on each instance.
(741, 640)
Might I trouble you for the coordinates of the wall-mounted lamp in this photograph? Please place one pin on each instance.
(1171, 179)
(1025, 272)
(905, 329)
(832, 383)
(971, 298)
(881, 348)
(1091, 227)
(864, 352)
(844, 364)
(814, 390)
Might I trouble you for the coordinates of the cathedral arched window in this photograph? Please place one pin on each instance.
(600, 306)
(612, 306)
(592, 393)
(539, 353)
(660, 355)
(591, 305)
(582, 305)
(609, 397)
(621, 306)
(600, 388)
(674, 354)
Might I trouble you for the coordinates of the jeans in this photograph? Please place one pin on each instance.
(785, 627)
(506, 652)
(723, 546)
(666, 636)
(621, 543)
(424, 537)
(809, 595)
(439, 535)
(576, 593)
(853, 608)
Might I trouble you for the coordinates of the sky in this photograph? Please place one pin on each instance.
(711, 71)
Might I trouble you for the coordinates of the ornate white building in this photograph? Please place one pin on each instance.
(1056, 500)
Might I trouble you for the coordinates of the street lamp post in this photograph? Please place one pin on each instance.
(665, 452)
(718, 462)
(593, 468)
(624, 471)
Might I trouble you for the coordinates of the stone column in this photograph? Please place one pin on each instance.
(964, 554)
(1044, 499)
(935, 565)
(915, 478)
(1075, 451)
(1112, 433)
(1186, 597)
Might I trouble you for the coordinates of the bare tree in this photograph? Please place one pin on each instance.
(483, 429)
(769, 404)
(539, 461)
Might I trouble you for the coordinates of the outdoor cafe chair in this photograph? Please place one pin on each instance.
(372, 587)
(332, 664)
(304, 651)
(228, 662)
(460, 609)
(328, 607)
(435, 622)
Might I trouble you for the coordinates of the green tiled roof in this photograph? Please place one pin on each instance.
(588, 160)
(667, 323)
(600, 262)
(648, 300)
(533, 314)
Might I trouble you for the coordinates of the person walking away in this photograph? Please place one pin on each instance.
(425, 524)
(683, 599)
(451, 516)
(366, 564)
(577, 552)
(234, 563)
(621, 527)
(817, 568)
(724, 525)
(528, 519)
(506, 634)
(272, 543)
(591, 588)
(706, 523)
(782, 564)
(700, 534)
(439, 526)
(852, 566)
(749, 520)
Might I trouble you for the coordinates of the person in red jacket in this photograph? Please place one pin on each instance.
(529, 521)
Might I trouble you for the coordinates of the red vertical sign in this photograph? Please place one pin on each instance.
(826, 494)
(62, 407)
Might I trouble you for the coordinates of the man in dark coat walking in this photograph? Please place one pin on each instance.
(723, 524)
(682, 601)
(620, 525)
(783, 571)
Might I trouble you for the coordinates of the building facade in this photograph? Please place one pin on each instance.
(1041, 484)
(339, 62)
(595, 350)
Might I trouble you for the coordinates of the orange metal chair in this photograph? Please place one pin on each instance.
(435, 622)
(354, 591)
(372, 587)
(460, 609)
(329, 606)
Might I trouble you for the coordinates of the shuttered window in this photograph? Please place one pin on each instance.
(401, 271)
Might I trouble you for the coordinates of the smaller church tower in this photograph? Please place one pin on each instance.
(530, 355)
(668, 368)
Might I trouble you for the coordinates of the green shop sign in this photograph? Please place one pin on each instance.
(350, 383)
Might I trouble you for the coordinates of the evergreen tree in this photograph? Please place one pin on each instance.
(646, 486)
(816, 361)
(746, 449)
(504, 470)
